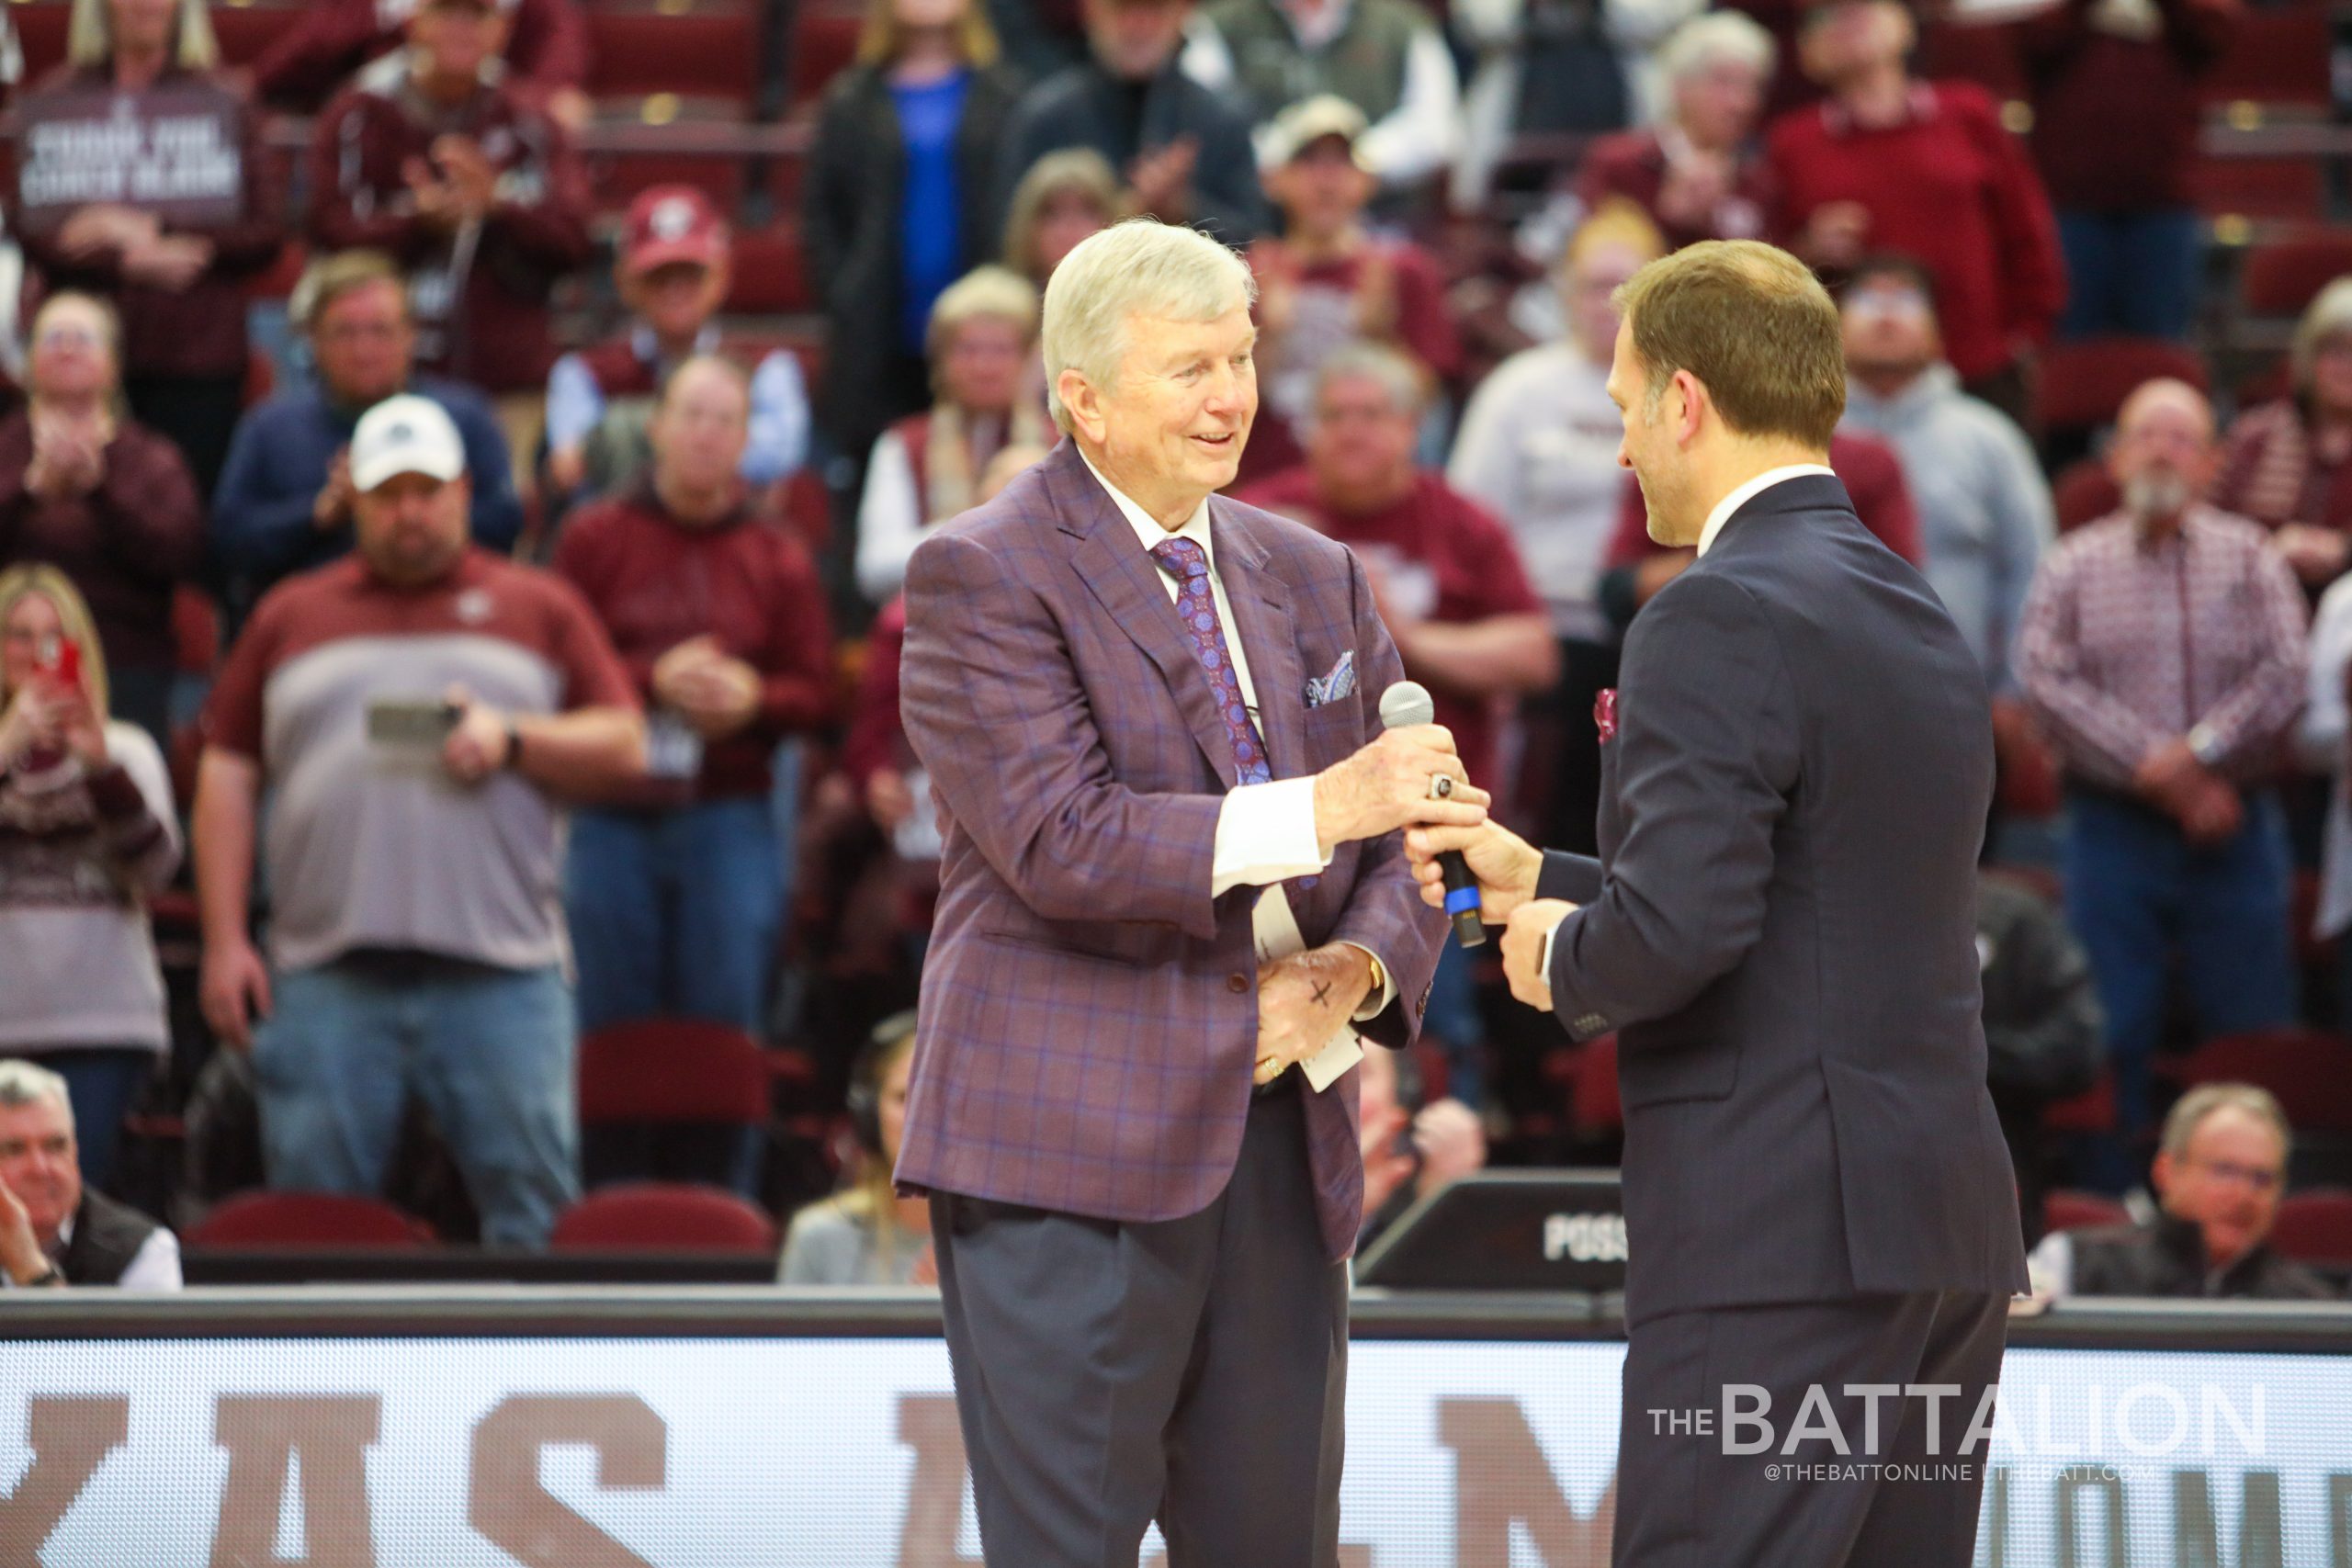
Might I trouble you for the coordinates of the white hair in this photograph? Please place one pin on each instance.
(23, 1084)
(1139, 267)
(1704, 40)
(2330, 313)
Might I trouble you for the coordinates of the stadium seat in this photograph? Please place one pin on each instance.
(2280, 55)
(822, 43)
(2065, 1211)
(268, 1220)
(2309, 1070)
(2283, 275)
(706, 50)
(769, 278)
(2084, 493)
(671, 1069)
(2084, 382)
(2315, 1227)
(1984, 55)
(1600, 1105)
(655, 1216)
(2093, 1111)
(2289, 188)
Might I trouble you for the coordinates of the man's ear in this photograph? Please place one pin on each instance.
(1686, 406)
(1085, 404)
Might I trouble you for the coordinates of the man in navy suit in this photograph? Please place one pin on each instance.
(1779, 928)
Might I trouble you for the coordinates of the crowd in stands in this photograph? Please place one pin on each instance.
(483, 561)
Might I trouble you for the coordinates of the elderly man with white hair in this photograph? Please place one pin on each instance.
(1699, 172)
(1171, 894)
(2162, 650)
(53, 1230)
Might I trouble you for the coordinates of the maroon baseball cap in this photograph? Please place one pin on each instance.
(673, 223)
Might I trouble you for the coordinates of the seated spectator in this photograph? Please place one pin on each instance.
(419, 714)
(2044, 1040)
(1326, 280)
(1889, 163)
(56, 1227)
(545, 52)
(901, 199)
(1638, 566)
(673, 270)
(1984, 512)
(1064, 198)
(1386, 57)
(1699, 172)
(868, 1235)
(103, 499)
(1181, 150)
(174, 269)
(1538, 448)
(674, 893)
(88, 833)
(925, 467)
(285, 502)
(2218, 1177)
(1408, 1154)
(2117, 114)
(2288, 464)
(2162, 650)
(433, 158)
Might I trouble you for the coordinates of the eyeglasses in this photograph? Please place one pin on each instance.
(2261, 1180)
(68, 336)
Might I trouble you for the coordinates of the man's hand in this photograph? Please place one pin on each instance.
(20, 1251)
(331, 508)
(1530, 923)
(469, 175)
(477, 747)
(717, 693)
(2169, 776)
(888, 799)
(2316, 555)
(567, 466)
(1302, 1001)
(2211, 813)
(1386, 786)
(1505, 864)
(1451, 1141)
(1162, 181)
(169, 262)
(235, 990)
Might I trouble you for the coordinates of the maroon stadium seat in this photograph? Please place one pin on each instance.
(653, 1217)
(769, 278)
(2093, 1111)
(706, 51)
(2280, 55)
(2085, 492)
(2083, 383)
(822, 43)
(2291, 188)
(2315, 1227)
(673, 1069)
(309, 1219)
(1984, 55)
(2064, 1211)
(2283, 275)
(2309, 1070)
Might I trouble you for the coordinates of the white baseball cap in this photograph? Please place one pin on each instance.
(406, 434)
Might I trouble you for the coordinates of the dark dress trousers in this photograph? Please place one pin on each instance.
(1781, 929)
(1141, 1262)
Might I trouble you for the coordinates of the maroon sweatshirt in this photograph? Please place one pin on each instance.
(655, 583)
(482, 316)
(196, 331)
(313, 60)
(2115, 120)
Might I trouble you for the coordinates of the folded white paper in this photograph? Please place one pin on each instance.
(1278, 936)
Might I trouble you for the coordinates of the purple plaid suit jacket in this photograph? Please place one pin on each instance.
(1089, 1014)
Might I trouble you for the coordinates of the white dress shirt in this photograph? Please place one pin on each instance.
(154, 1266)
(1715, 521)
(1265, 833)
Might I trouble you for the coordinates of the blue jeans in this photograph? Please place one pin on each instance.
(488, 1051)
(2131, 273)
(674, 914)
(101, 1082)
(2138, 895)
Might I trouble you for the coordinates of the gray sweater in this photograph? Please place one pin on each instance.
(1984, 512)
(830, 1245)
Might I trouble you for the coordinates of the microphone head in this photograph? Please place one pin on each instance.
(1406, 703)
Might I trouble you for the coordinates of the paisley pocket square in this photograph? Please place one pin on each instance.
(1339, 682)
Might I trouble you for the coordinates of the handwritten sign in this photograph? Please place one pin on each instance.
(173, 150)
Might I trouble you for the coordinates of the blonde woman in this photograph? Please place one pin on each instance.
(868, 1235)
(927, 467)
(176, 270)
(900, 200)
(88, 833)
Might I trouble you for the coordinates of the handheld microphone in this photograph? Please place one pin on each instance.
(1403, 705)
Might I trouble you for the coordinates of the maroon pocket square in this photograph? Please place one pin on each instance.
(1604, 713)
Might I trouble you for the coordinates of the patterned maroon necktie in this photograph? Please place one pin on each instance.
(1189, 565)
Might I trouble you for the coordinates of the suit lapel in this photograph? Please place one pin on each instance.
(1132, 590)
(1268, 639)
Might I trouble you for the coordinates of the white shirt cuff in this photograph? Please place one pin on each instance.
(1548, 938)
(1380, 996)
(1265, 834)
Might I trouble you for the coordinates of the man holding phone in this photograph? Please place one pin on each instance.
(421, 711)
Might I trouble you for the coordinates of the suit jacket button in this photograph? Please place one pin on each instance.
(1236, 983)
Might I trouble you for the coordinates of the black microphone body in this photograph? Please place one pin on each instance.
(1403, 705)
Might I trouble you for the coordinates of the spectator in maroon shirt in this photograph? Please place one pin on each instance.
(2116, 117)
(1327, 280)
(107, 500)
(175, 272)
(1699, 172)
(1890, 163)
(546, 53)
(2288, 464)
(432, 157)
(676, 896)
